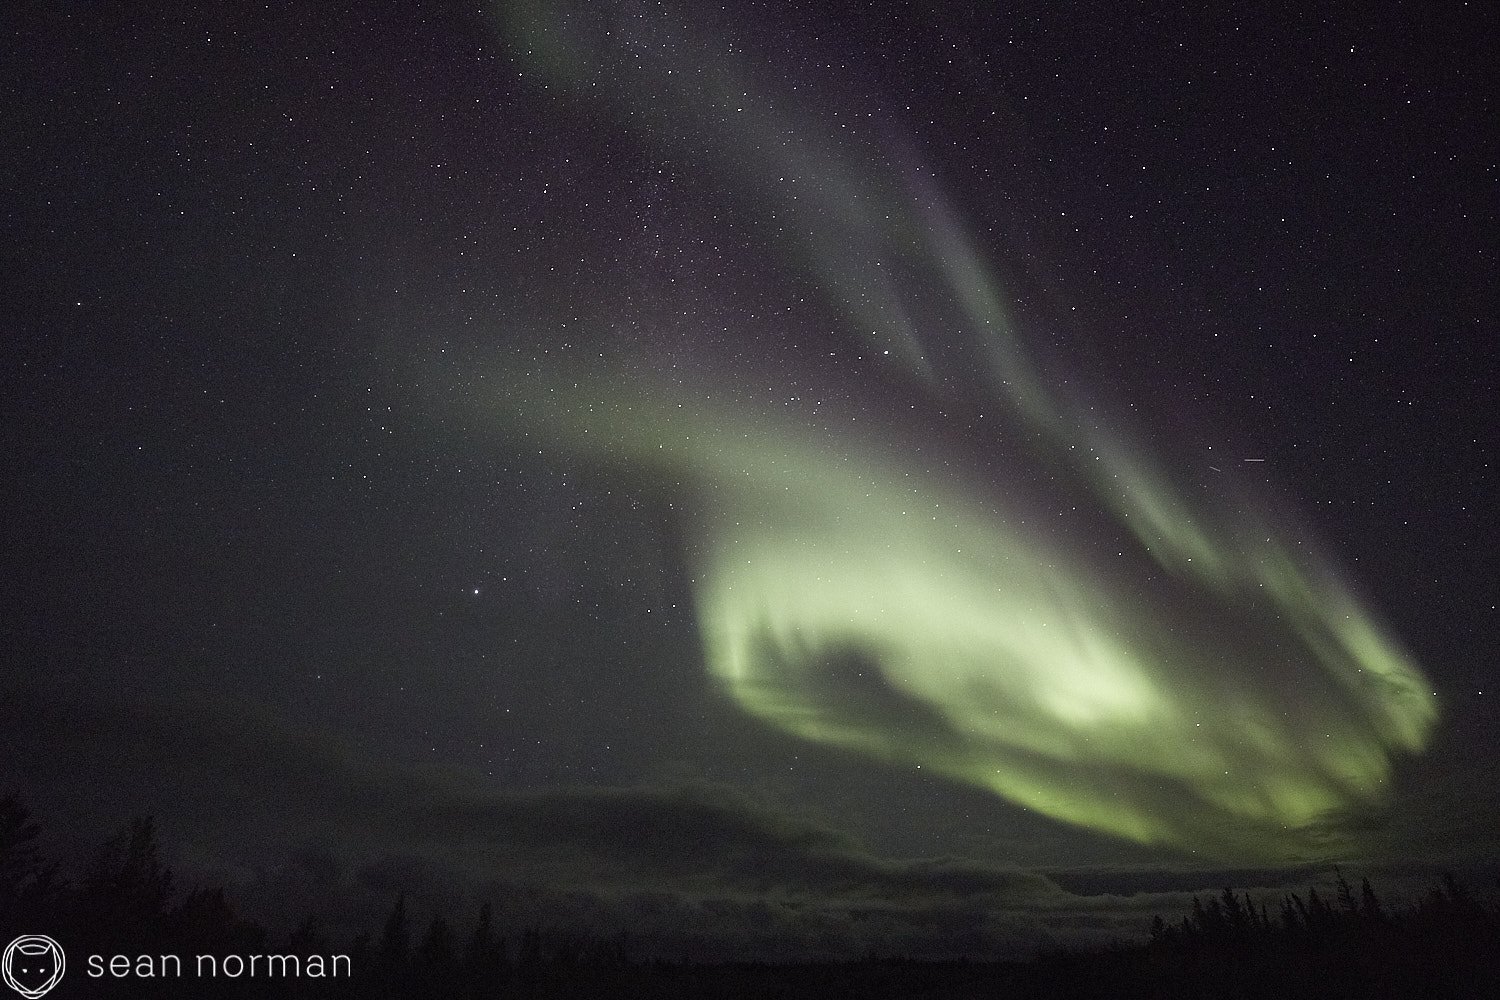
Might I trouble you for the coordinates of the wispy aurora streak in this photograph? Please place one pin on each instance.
(1236, 703)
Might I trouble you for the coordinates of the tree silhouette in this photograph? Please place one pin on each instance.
(484, 956)
(1445, 944)
(395, 940)
(20, 861)
(126, 889)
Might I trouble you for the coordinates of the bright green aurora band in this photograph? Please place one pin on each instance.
(1238, 702)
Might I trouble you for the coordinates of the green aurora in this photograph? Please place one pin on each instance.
(1214, 687)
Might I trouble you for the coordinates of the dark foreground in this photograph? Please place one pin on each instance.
(1447, 944)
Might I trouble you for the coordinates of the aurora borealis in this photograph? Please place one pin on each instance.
(805, 480)
(849, 594)
(846, 599)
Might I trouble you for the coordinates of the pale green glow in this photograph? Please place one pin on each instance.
(1233, 703)
(997, 655)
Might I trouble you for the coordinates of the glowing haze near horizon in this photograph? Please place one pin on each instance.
(1200, 679)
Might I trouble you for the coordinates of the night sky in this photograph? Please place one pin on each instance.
(784, 479)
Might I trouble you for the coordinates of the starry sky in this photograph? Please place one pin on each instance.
(785, 478)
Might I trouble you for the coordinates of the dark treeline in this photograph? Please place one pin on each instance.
(1347, 943)
(124, 901)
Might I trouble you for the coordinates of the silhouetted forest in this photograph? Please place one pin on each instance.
(1347, 943)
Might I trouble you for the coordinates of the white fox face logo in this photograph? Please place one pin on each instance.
(33, 964)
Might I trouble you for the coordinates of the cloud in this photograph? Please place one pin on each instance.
(301, 824)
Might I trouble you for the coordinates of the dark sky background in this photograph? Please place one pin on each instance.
(278, 569)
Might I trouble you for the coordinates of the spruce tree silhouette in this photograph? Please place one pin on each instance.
(394, 973)
(20, 861)
(1370, 906)
(25, 881)
(122, 902)
(484, 956)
